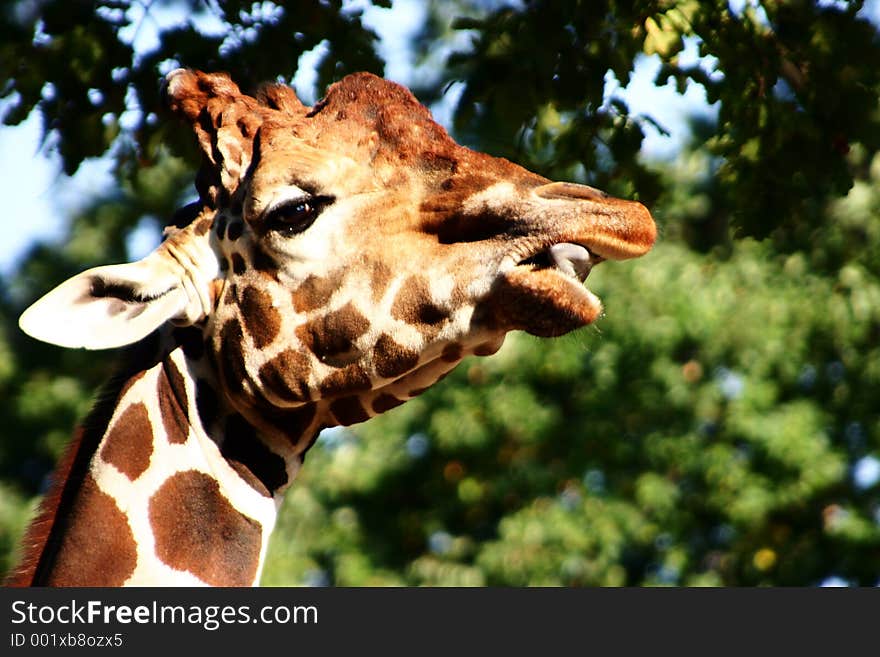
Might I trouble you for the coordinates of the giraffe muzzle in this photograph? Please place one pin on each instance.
(568, 229)
(607, 227)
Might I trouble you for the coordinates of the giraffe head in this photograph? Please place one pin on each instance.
(344, 257)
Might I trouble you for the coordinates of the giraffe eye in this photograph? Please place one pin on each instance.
(291, 218)
(294, 217)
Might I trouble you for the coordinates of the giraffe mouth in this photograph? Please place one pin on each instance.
(573, 260)
(544, 293)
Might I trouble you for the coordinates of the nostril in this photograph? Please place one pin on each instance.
(570, 191)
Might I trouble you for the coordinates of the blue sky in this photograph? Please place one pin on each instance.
(38, 196)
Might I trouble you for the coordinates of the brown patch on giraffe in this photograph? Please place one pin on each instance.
(173, 403)
(380, 277)
(352, 378)
(85, 561)
(392, 359)
(128, 445)
(220, 226)
(459, 296)
(238, 264)
(293, 423)
(262, 469)
(261, 319)
(287, 376)
(331, 337)
(198, 530)
(235, 230)
(315, 292)
(452, 353)
(385, 402)
(414, 306)
(232, 363)
(349, 410)
(178, 384)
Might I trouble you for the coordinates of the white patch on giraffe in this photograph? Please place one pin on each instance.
(481, 285)
(135, 392)
(404, 334)
(442, 285)
(148, 573)
(381, 322)
(492, 198)
(113, 482)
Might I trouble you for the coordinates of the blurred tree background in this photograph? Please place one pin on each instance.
(719, 426)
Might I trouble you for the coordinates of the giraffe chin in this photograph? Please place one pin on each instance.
(544, 302)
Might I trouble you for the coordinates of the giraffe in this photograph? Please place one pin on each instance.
(340, 259)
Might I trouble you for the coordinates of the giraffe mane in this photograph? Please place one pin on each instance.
(41, 538)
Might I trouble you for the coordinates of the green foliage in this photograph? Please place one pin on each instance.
(534, 83)
(714, 427)
(77, 62)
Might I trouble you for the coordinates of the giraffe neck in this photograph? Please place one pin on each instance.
(164, 486)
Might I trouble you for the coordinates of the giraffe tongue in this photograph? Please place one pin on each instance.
(571, 259)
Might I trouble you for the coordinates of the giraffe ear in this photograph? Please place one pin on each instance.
(106, 307)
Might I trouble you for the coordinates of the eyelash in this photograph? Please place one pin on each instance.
(296, 216)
